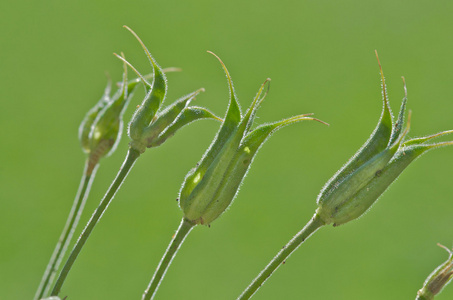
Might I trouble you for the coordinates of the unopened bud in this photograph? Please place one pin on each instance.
(101, 129)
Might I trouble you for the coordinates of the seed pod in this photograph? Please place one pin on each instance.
(87, 123)
(210, 188)
(101, 129)
(149, 126)
(438, 279)
(354, 189)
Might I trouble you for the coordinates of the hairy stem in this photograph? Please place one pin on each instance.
(68, 231)
(184, 228)
(314, 224)
(128, 163)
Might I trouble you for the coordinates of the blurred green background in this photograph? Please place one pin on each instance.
(320, 56)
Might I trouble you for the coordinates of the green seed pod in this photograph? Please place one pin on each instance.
(87, 123)
(354, 189)
(150, 127)
(101, 129)
(210, 188)
(438, 279)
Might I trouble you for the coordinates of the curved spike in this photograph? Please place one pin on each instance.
(397, 126)
(251, 112)
(268, 80)
(300, 118)
(145, 82)
(151, 59)
(384, 88)
(108, 88)
(171, 69)
(421, 140)
(439, 134)
(441, 144)
(257, 100)
(133, 82)
(230, 82)
(447, 249)
(124, 85)
(404, 87)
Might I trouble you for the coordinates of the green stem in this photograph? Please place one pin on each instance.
(128, 163)
(184, 228)
(68, 231)
(314, 224)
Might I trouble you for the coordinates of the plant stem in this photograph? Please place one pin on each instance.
(68, 231)
(314, 224)
(184, 228)
(128, 163)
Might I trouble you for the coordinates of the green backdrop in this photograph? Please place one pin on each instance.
(320, 56)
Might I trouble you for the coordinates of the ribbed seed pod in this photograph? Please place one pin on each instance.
(355, 187)
(150, 126)
(210, 188)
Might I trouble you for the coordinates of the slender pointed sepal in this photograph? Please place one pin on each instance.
(187, 116)
(377, 142)
(166, 118)
(397, 127)
(155, 97)
(87, 123)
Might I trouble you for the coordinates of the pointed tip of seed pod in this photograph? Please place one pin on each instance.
(171, 69)
(377, 57)
(384, 90)
(305, 117)
(133, 68)
(223, 65)
(150, 57)
(230, 82)
(268, 81)
(446, 248)
(320, 121)
(221, 62)
(257, 101)
(441, 133)
(216, 56)
(404, 86)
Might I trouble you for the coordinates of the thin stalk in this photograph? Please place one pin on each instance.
(184, 228)
(421, 297)
(128, 163)
(314, 224)
(68, 231)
